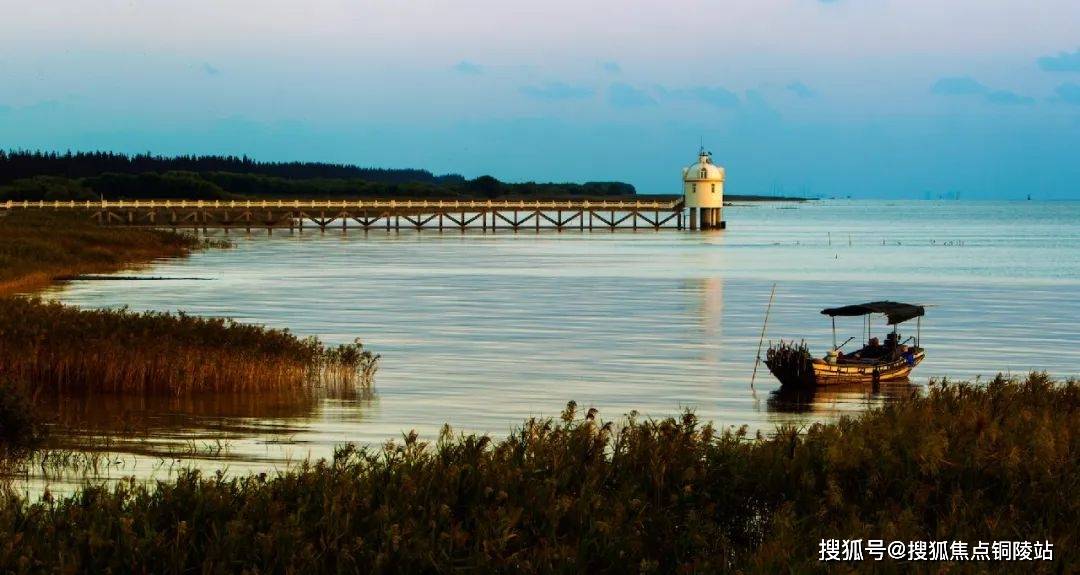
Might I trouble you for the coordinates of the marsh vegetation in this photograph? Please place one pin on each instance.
(972, 462)
(62, 349)
(49, 349)
(36, 247)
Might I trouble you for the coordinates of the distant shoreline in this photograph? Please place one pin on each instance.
(727, 198)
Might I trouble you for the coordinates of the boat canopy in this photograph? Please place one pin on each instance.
(897, 312)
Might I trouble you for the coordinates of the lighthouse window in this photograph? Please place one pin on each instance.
(695, 188)
(714, 188)
(704, 173)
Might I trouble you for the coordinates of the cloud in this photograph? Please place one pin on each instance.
(557, 91)
(627, 96)
(958, 86)
(611, 67)
(1007, 98)
(1062, 62)
(210, 70)
(712, 95)
(716, 96)
(466, 67)
(801, 90)
(967, 86)
(1069, 93)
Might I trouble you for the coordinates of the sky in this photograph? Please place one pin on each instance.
(862, 98)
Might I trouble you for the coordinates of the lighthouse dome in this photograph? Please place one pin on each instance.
(703, 184)
(704, 170)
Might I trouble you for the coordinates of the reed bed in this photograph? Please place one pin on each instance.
(38, 247)
(967, 462)
(62, 349)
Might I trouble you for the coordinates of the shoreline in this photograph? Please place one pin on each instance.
(49, 347)
(38, 257)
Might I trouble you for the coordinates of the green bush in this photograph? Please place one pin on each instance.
(50, 188)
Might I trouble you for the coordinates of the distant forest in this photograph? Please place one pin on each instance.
(35, 175)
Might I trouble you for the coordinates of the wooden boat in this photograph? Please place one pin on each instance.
(793, 364)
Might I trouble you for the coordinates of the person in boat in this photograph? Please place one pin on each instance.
(873, 349)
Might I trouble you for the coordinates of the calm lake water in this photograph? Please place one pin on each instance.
(481, 331)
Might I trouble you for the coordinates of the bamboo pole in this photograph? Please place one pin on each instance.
(757, 360)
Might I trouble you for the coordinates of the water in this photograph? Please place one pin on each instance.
(481, 331)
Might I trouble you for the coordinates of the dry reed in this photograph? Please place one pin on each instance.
(37, 247)
(63, 349)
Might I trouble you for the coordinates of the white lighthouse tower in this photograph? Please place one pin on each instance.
(703, 191)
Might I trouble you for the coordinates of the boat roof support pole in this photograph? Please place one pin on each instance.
(834, 332)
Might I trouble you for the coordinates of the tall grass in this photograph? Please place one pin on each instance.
(999, 461)
(37, 247)
(63, 349)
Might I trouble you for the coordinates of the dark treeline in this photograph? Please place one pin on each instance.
(97, 175)
(17, 164)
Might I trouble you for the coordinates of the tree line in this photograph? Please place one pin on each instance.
(106, 175)
(16, 164)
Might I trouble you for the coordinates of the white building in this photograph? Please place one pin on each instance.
(703, 192)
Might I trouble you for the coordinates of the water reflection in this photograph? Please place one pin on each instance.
(164, 426)
(835, 400)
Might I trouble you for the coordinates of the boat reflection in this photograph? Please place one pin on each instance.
(836, 399)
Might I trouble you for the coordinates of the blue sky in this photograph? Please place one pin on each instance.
(868, 98)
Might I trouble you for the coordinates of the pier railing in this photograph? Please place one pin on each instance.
(392, 214)
(619, 205)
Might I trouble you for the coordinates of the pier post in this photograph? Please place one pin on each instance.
(440, 221)
(581, 220)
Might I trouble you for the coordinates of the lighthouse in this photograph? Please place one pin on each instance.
(703, 193)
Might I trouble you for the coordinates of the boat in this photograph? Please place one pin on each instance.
(875, 362)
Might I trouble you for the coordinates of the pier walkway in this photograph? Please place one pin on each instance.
(377, 214)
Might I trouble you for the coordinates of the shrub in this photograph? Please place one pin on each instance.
(19, 424)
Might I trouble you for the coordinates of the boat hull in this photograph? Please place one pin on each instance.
(799, 370)
(843, 373)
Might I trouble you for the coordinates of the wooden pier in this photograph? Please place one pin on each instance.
(377, 214)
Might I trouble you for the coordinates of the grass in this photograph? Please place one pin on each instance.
(998, 461)
(36, 247)
(48, 347)
(62, 349)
